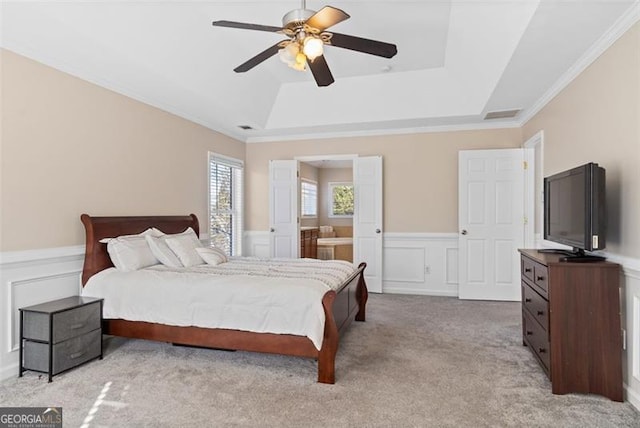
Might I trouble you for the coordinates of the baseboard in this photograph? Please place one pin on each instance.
(413, 291)
(9, 371)
(633, 397)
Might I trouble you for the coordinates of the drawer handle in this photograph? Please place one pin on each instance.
(540, 312)
(77, 326)
(540, 278)
(529, 333)
(527, 269)
(542, 350)
(526, 299)
(77, 355)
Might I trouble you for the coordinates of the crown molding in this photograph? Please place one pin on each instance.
(621, 26)
(381, 132)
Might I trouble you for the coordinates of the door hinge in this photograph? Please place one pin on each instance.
(526, 220)
(298, 174)
(525, 164)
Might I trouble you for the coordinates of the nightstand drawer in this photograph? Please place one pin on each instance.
(70, 323)
(66, 354)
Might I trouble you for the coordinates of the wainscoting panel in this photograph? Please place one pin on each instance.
(256, 244)
(413, 263)
(404, 264)
(420, 263)
(28, 278)
(631, 324)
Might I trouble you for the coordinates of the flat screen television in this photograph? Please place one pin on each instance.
(575, 211)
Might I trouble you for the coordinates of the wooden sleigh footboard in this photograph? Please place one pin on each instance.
(341, 307)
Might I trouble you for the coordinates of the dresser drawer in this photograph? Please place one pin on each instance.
(537, 306)
(66, 324)
(66, 354)
(537, 339)
(526, 268)
(541, 277)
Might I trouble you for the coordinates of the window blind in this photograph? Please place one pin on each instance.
(309, 198)
(226, 203)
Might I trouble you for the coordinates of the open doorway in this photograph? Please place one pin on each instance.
(327, 208)
(284, 212)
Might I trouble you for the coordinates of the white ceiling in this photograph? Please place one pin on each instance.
(456, 61)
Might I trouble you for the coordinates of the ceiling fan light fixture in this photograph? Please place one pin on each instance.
(293, 56)
(300, 62)
(288, 53)
(312, 47)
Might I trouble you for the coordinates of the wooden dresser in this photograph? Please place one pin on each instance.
(309, 242)
(571, 322)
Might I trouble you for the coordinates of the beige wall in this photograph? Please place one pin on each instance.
(597, 119)
(69, 147)
(420, 173)
(326, 176)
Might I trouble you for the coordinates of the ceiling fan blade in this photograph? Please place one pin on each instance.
(244, 26)
(372, 47)
(326, 17)
(320, 70)
(262, 56)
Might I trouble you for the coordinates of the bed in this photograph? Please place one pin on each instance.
(340, 306)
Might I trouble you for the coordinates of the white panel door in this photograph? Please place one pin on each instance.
(491, 219)
(284, 236)
(367, 219)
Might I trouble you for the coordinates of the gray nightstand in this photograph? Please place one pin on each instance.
(59, 335)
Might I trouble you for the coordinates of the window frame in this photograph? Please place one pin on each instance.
(302, 199)
(236, 211)
(331, 186)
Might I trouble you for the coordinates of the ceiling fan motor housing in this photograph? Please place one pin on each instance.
(296, 18)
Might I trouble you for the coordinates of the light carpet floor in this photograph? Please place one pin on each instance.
(417, 361)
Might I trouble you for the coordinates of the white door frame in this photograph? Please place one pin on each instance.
(535, 200)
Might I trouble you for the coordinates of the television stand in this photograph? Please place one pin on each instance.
(581, 258)
(571, 323)
(554, 251)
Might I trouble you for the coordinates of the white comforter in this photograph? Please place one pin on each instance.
(260, 295)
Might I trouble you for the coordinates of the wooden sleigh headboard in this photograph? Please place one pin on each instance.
(96, 257)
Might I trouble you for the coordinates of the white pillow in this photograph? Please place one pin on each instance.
(152, 231)
(184, 246)
(213, 256)
(162, 252)
(130, 253)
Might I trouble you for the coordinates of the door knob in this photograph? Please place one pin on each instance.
(377, 230)
(272, 230)
(464, 231)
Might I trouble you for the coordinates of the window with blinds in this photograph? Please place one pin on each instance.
(308, 198)
(225, 203)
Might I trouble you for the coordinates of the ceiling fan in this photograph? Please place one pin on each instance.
(307, 35)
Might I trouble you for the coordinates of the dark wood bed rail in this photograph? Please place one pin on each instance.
(341, 307)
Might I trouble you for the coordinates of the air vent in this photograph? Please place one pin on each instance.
(245, 127)
(504, 114)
